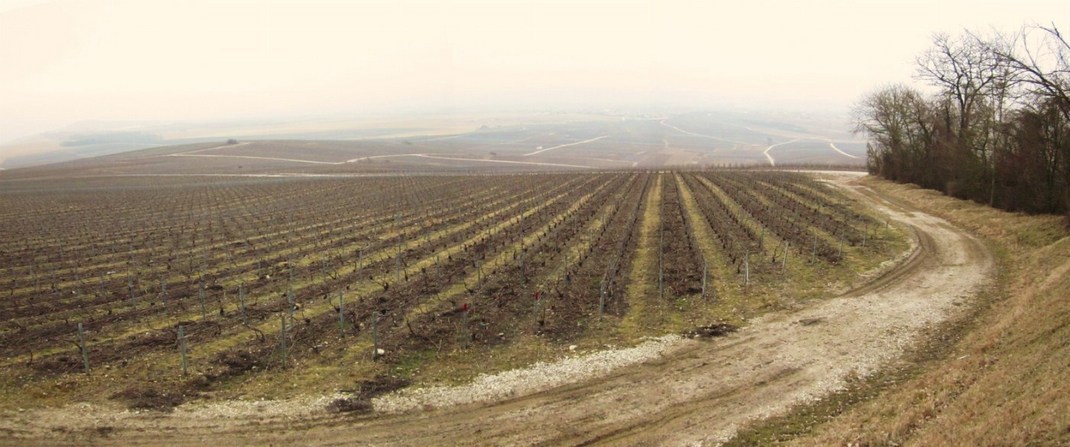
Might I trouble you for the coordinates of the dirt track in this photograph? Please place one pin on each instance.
(698, 392)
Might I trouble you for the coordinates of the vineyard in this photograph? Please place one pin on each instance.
(152, 291)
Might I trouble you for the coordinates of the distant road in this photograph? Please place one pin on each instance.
(354, 160)
(507, 161)
(252, 157)
(766, 153)
(770, 157)
(222, 146)
(564, 145)
(663, 123)
(481, 160)
(833, 146)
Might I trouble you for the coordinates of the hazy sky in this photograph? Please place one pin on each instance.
(63, 62)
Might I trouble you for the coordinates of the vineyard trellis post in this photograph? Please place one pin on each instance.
(537, 305)
(479, 274)
(813, 249)
(341, 313)
(464, 326)
(282, 339)
(200, 295)
(82, 347)
(520, 261)
(705, 276)
(182, 349)
(601, 298)
(746, 269)
(375, 334)
(241, 303)
(841, 245)
(865, 232)
(290, 271)
(163, 295)
(397, 245)
(133, 295)
(397, 265)
(290, 303)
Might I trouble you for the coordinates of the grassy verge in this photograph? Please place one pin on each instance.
(642, 292)
(994, 376)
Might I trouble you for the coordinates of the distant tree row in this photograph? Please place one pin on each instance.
(997, 130)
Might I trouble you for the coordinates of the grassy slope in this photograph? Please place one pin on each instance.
(997, 378)
(642, 290)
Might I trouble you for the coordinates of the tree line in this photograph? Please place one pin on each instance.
(996, 130)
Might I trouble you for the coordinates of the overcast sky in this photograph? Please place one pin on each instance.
(64, 62)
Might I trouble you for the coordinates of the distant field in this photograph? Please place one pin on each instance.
(696, 140)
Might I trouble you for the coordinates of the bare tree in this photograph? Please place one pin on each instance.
(1040, 59)
(998, 131)
(899, 121)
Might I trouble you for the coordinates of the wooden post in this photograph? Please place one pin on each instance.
(601, 298)
(537, 304)
(241, 303)
(282, 339)
(746, 269)
(464, 331)
(375, 334)
(813, 249)
(841, 246)
(705, 276)
(341, 312)
(133, 296)
(200, 295)
(163, 296)
(84, 349)
(523, 274)
(290, 303)
(182, 349)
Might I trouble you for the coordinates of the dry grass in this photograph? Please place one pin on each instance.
(642, 291)
(1002, 379)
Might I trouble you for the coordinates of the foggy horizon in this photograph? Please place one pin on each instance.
(70, 62)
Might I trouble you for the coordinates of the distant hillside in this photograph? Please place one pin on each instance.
(488, 143)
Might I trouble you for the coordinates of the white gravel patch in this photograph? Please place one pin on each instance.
(294, 408)
(538, 377)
